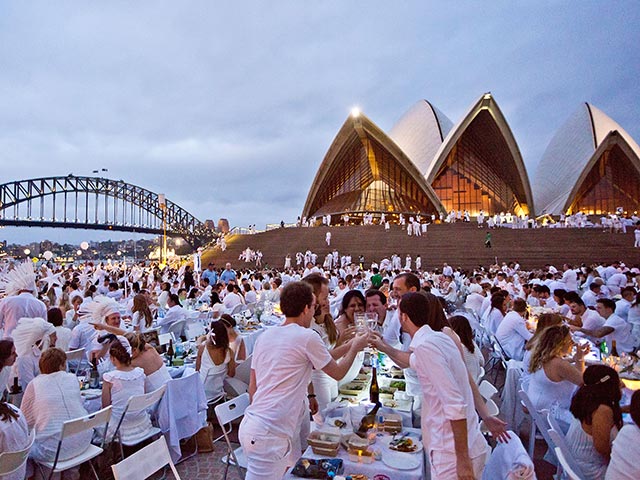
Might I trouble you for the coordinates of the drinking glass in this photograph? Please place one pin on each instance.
(360, 320)
(372, 321)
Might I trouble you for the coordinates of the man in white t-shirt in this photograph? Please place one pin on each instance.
(231, 299)
(283, 358)
(512, 331)
(581, 316)
(614, 328)
(569, 278)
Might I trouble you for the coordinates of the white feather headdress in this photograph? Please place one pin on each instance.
(101, 308)
(21, 277)
(29, 331)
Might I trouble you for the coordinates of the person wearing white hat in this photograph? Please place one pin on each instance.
(19, 286)
(31, 337)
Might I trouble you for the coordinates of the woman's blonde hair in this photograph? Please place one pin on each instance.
(553, 342)
(544, 321)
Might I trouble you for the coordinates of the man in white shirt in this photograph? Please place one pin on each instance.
(451, 431)
(592, 295)
(512, 331)
(624, 304)
(569, 278)
(583, 317)
(616, 283)
(283, 359)
(20, 287)
(231, 299)
(376, 302)
(613, 329)
(174, 314)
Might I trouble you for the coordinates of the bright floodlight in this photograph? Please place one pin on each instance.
(79, 252)
(355, 112)
(27, 251)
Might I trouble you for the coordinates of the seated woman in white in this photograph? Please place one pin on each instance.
(352, 302)
(215, 361)
(31, 337)
(118, 387)
(146, 357)
(141, 319)
(553, 379)
(625, 451)
(596, 408)
(50, 399)
(14, 436)
(63, 334)
(545, 320)
(8, 357)
(236, 344)
(472, 355)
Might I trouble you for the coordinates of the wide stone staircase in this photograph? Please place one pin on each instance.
(459, 244)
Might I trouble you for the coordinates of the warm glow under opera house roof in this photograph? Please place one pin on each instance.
(428, 165)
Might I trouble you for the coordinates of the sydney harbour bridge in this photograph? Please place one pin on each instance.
(96, 203)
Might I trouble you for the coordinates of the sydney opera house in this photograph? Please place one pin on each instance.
(426, 164)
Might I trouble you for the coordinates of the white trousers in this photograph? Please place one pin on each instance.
(268, 455)
(443, 465)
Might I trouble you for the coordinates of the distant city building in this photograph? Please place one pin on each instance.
(429, 165)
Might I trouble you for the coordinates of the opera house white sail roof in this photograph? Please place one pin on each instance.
(571, 155)
(420, 132)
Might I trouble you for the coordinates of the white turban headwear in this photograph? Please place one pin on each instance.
(29, 332)
(101, 308)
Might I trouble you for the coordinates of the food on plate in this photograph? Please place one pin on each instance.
(403, 445)
(391, 404)
(358, 476)
(339, 423)
(398, 385)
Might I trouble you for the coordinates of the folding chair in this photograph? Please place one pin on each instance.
(194, 330)
(238, 309)
(145, 462)
(227, 412)
(73, 427)
(243, 370)
(138, 403)
(538, 423)
(76, 357)
(567, 463)
(487, 390)
(12, 461)
(177, 329)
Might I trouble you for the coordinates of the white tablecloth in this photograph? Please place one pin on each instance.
(378, 466)
(249, 339)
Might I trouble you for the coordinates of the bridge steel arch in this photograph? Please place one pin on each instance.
(96, 203)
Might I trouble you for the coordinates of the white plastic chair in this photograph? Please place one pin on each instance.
(12, 461)
(487, 390)
(226, 413)
(492, 408)
(194, 330)
(238, 309)
(139, 403)
(75, 356)
(165, 338)
(566, 468)
(243, 370)
(145, 462)
(177, 328)
(568, 463)
(539, 423)
(73, 427)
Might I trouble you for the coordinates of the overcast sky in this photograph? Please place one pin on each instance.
(229, 107)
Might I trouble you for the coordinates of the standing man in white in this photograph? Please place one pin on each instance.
(327, 238)
(283, 359)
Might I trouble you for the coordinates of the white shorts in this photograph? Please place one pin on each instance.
(268, 455)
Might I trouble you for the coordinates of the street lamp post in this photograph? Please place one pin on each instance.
(163, 206)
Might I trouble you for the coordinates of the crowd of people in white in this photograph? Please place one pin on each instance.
(45, 313)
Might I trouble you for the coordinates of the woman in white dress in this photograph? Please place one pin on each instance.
(118, 387)
(146, 357)
(50, 399)
(141, 319)
(352, 302)
(236, 344)
(597, 420)
(215, 362)
(8, 357)
(14, 436)
(472, 355)
(545, 320)
(554, 379)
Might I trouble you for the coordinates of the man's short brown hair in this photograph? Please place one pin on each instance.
(295, 297)
(52, 360)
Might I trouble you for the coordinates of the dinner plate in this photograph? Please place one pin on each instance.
(387, 440)
(399, 461)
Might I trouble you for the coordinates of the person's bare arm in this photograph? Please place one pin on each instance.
(106, 394)
(339, 369)
(399, 357)
(199, 357)
(597, 333)
(252, 384)
(464, 467)
(231, 368)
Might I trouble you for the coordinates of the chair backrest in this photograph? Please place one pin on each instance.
(492, 408)
(569, 472)
(487, 390)
(232, 409)
(164, 338)
(75, 354)
(238, 308)
(194, 330)
(12, 461)
(88, 422)
(539, 418)
(243, 370)
(177, 327)
(145, 462)
(558, 438)
(138, 403)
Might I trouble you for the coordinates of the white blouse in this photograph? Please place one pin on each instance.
(124, 385)
(14, 436)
